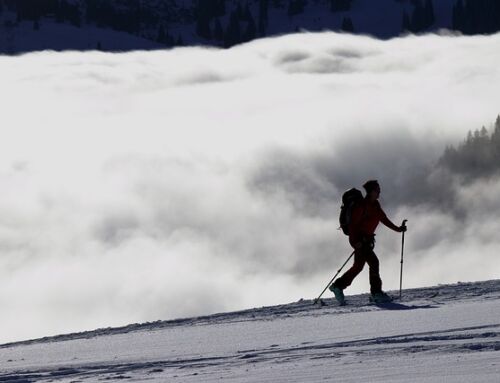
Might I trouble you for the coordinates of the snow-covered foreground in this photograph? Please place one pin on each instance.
(438, 334)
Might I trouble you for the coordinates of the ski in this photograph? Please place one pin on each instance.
(386, 299)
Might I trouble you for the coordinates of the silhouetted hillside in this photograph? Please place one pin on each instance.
(29, 25)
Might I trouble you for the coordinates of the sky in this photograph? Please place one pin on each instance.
(155, 185)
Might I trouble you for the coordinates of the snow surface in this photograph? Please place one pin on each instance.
(448, 333)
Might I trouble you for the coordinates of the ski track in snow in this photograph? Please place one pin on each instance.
(437, 334)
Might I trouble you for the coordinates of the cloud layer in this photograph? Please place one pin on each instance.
(153, 185)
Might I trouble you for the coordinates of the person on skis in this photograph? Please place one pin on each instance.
(365, 217)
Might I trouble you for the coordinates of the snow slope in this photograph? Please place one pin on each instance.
(446, 333)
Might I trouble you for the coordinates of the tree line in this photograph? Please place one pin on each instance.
(225, 24)
(477, 156)
(421, 18)
(476, 16)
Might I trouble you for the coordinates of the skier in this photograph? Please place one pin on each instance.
(365, 218)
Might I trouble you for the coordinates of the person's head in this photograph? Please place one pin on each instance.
(372, 189)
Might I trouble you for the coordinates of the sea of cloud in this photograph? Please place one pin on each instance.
(154, 185)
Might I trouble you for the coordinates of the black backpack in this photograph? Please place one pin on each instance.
(349, 199)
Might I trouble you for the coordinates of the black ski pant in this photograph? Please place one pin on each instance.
(361, 256)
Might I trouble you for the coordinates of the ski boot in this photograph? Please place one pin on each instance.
(380, 297)
(339, 294)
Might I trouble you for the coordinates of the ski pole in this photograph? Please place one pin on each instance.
(335, 276)
(402, 251)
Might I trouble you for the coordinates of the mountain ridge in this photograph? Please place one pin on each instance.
(30, 25)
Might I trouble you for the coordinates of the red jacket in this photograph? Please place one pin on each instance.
(365, 218)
